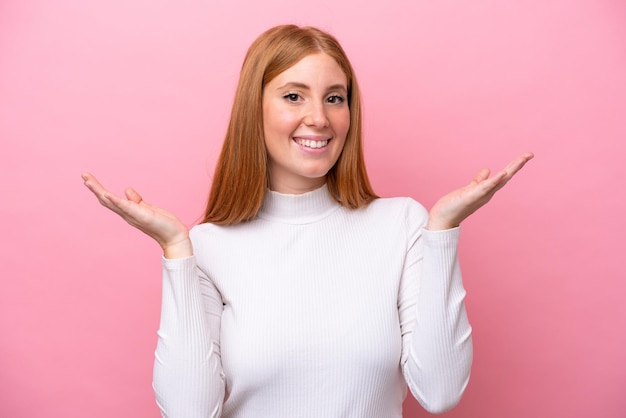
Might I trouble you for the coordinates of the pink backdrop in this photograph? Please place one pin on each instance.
(139, 91)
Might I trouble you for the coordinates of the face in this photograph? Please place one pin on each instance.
(306, 119)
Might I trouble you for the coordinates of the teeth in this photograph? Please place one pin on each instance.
(312, 144)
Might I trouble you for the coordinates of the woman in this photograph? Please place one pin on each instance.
(302, 294)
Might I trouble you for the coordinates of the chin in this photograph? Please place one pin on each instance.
(316, 174)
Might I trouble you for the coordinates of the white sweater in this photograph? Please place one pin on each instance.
(313, 310)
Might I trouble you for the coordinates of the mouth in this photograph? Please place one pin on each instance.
(311, 141)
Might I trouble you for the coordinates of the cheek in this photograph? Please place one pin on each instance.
(341, 122)
(280, 122)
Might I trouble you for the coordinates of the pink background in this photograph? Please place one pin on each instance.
(139, 92)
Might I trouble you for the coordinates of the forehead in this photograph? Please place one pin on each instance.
(319, 68)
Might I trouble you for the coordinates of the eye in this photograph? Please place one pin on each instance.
(291, 97)
(335, 99)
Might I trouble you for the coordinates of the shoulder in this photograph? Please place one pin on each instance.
(396, 215)
(405, 207)
(208, 232)
(202, 229)
(402, 218)
(214, 244)
(205, 233)
(198, 233)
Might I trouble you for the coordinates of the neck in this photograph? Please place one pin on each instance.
(297, 187)
(298, 208)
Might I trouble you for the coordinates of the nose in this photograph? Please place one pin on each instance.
(316, 116)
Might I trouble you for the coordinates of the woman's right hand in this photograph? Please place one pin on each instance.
(165, 228)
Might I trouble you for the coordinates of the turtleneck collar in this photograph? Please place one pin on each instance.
(298, 208)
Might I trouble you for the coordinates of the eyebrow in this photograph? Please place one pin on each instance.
(305, 87)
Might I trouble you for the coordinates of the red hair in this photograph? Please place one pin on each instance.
(241, 175)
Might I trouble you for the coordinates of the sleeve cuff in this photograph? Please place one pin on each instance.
(442, 237)
(178, 264)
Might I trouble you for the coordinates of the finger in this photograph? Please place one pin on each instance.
(503, 177)
(517, 164)
(481, 175)
(494, 183)
(126, 208)
(133, 196)
(97, 189)
(91, 182)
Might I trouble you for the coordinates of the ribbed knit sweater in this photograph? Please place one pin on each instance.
(314, 310)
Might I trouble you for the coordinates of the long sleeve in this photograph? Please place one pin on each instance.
(188, 377)
(313, 310)
(437, 354)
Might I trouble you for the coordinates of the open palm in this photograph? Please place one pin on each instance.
(456, 206)
(165, 228)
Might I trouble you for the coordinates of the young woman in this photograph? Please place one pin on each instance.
(302, 294)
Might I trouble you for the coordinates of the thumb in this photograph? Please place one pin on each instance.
(481, 175)
(132, 195)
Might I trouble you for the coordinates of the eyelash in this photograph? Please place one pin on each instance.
(293, 97)
(338, 99)
(290, 97)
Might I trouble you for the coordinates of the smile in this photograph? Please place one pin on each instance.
(310, 143)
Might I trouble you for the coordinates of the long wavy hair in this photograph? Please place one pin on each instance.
(242, 175)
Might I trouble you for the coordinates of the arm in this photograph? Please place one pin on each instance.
(437, 345)
(188, 377)
(436, 334)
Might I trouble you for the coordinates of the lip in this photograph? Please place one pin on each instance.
(312, 151)
(312, 137)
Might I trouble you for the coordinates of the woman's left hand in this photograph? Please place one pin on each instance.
(454, 207)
